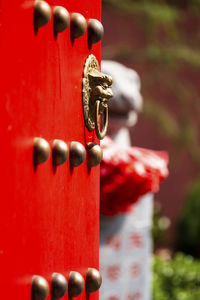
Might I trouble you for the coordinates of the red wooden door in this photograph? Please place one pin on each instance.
(49, 218)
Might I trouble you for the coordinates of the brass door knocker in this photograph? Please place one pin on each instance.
(96, 94)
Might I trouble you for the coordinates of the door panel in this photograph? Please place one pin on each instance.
(49, 219)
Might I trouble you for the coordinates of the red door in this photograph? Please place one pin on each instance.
(49, 216)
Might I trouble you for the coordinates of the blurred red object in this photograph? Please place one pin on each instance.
(128, 173)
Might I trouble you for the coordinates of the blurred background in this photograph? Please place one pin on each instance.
(160, 39)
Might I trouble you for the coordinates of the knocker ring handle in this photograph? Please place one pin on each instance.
(100, 132)
(96, 92)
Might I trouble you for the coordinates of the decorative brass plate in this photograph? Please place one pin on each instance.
(96, 94)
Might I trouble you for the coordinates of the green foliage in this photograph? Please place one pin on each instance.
(177, 279)
(154, 14)
(158, 54)
(173, 54)
(162, 118)
(181, 132)
(160, 224)
(157, 11)
(145, 5)
(189, 224)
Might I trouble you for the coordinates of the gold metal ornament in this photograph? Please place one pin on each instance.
(96, 93)
(39, 288)
(93, 280)
(41, 151)
(61, 19)
(77, 154)
(58, 286)
(94, 155)
(78, 25)
(60, 152)
(76, 284)
(42, 13)
(95, 31)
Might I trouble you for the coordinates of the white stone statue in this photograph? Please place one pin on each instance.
(125, 239)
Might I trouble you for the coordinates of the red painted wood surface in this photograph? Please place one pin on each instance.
(49, 222)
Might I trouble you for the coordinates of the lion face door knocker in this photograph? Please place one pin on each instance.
(96, 94)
